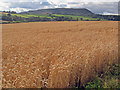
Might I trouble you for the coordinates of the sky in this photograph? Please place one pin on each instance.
(96, 6)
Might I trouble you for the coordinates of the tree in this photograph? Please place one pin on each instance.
(9, 14)
(81, 19)
(71, 18)
(87, 20)
(13, 12)
(77, 19)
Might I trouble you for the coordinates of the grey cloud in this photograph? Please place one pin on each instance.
(73, 3)
(119, 7)
(62, 5)
(110, 7)
(29, 5)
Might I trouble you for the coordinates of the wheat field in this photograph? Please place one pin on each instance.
(57, 54)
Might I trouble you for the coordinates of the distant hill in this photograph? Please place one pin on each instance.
(63, 11)
(72, 11)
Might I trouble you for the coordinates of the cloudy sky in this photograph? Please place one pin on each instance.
(96, 6)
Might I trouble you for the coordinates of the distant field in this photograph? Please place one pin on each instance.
(57, 54)
(59, 15)
(27, 16)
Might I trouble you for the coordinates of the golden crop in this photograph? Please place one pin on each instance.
(57, 54)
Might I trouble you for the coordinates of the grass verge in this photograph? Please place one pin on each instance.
(108, 79)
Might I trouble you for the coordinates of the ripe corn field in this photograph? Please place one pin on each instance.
(57, 54)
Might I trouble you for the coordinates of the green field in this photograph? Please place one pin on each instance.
(28, 16)
(55, 15)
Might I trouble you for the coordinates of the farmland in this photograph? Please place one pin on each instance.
(55, 15)
(57, 54)
(20, 18)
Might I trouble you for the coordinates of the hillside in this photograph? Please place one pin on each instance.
(57, 14)
(63, 11)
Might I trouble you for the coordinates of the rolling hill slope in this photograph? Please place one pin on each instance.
(63, 11)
